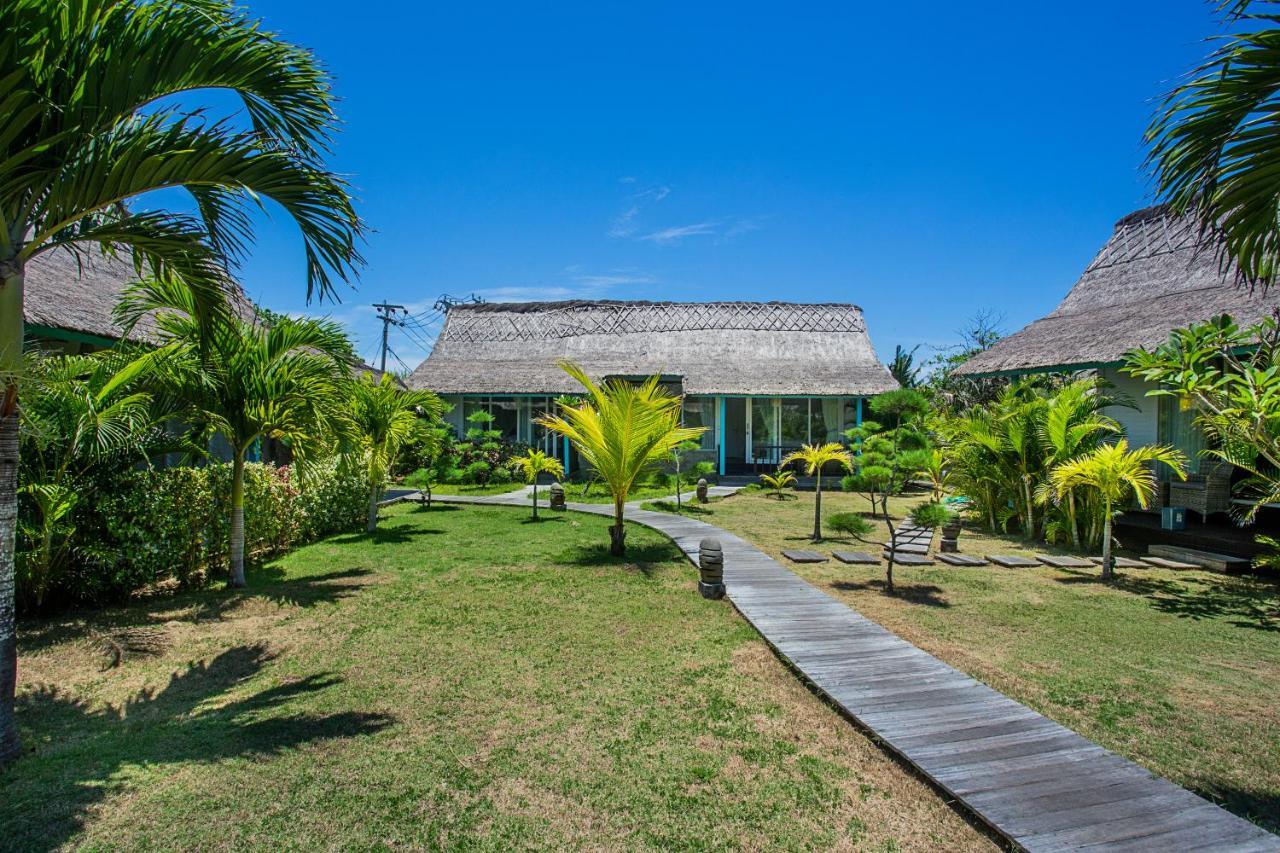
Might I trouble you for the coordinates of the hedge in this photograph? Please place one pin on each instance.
(171, 525)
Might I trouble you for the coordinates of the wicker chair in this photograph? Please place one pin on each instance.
(1206, 493)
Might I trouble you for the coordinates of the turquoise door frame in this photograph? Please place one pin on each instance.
(720, 430)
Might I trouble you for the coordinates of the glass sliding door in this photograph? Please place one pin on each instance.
(762, 438)
(793, 424)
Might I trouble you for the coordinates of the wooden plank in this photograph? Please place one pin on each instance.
(1065, 562)
(1012, 561)
(804, 556)
(961, 560)
(857, 558)
(1166, 563)
(1206, 559)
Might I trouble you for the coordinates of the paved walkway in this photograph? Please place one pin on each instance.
(1038, 784)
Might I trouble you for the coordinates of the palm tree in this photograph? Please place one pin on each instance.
(622, 430)
(243, 381)
(1215, 143)
(384, 417)
(532, 464)
(815, 457)
(90, 122)
(1072, 423)
(1115, 471)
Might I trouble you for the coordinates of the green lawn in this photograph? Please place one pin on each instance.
(463, 489)
(465, 679)
(1175, 669)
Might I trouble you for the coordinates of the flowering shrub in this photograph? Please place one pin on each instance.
(171, 525)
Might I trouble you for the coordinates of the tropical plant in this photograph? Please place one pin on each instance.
(91, 95)
(850, 524)
(938, 471)
(1073, 422)
(778, 482)
(930, 514)
(677, 460)
(622, 430)
(533, 463)
(80, 424)
(242, 381)
(1230, 376)
(1215, 143)
(1114, 472)
(903, 368)
(385, 417)
(814, 458)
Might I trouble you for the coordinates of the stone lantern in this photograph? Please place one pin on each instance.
(557, 496)
(702, 490)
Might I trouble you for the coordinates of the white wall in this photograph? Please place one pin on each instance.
(1140, 425)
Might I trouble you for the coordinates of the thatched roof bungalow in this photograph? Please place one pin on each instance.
(762, 376)
(1153, 275)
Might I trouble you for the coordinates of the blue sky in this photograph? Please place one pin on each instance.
(923, 164)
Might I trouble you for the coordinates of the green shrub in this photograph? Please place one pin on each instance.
(477, 472)
(171, 525)
(931, 515)
(850, 524)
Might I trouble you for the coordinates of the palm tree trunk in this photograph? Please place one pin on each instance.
(1071, 519)
(10, 366)
(817, 509)
(237, 520)
(1106, 543)
(535, 497)
(371, 523)
(617, 533)
(1031, 507)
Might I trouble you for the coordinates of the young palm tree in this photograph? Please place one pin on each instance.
(1115, 471)
(622, 430)
(532, 464)
(384, 417)
(815, 457)
(1073, 423)
(89, 124)
(243, 381)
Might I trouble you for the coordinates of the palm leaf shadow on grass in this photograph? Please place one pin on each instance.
(928, 595)
(1246, 602)
(641, 558)
(266, 583)
(386, 534)
(191, 719)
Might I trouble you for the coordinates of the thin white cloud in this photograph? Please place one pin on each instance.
(673, 235)
(624, 224)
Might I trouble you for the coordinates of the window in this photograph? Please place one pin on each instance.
(701, 412)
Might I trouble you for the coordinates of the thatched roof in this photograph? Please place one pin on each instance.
(714, 347)
(1154, 275)
(77, 293)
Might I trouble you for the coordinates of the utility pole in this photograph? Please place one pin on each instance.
(387, 314)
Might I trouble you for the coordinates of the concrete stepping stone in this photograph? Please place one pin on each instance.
(912, 560)
(961, 560)
(1121, 562)
(1066, 562)
(1013, 561)
(909, 549)
(1166, 563)
(856, 558)
(804, 556)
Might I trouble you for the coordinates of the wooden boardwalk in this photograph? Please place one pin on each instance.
(1040, 785)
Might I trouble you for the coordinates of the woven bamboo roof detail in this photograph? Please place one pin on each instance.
(715, 347)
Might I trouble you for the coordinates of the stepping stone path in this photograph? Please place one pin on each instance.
(804, 556)
(856, 558)
(912, 560)
(1066, 562)
(910, 549)
(1012, 561)
(1043, 787)
(961, 560)
(1165, 563)
(1121, 563)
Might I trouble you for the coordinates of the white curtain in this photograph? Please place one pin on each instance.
(831, 408)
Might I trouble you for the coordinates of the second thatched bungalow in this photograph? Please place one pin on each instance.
(763, 377)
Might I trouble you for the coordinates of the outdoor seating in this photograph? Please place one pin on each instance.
(1207, 493)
